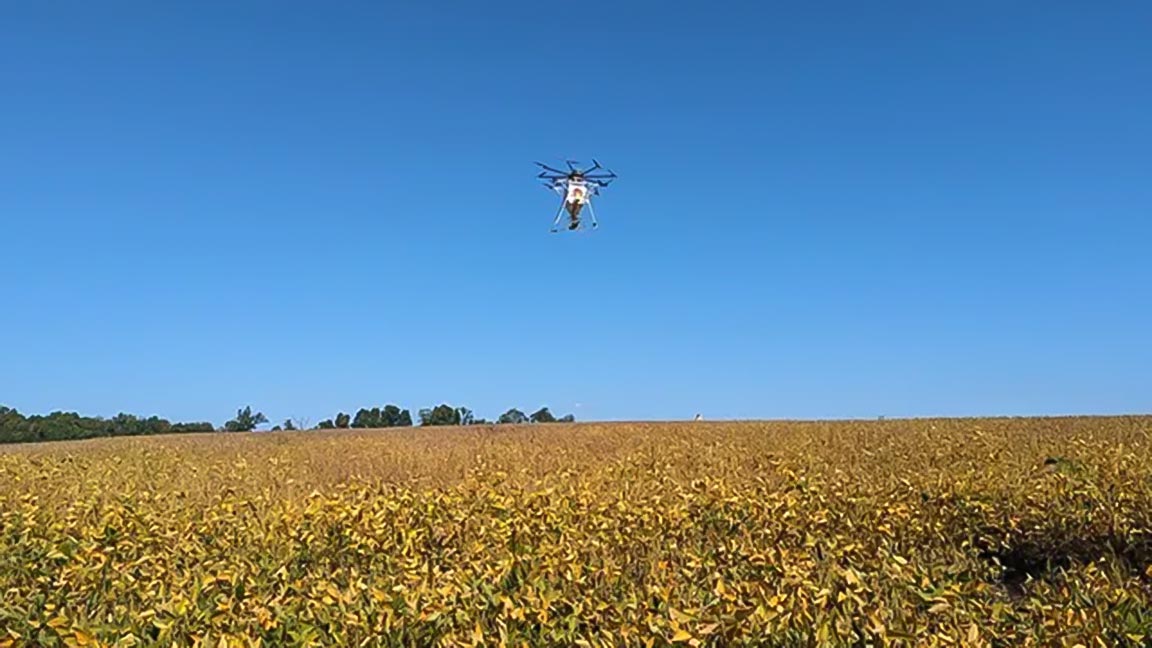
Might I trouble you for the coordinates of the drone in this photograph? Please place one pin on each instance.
(577, 187)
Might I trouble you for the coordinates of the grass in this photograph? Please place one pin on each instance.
(980, 532)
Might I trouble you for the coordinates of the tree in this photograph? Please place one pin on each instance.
(368, 418)
(16, 428)
(567, 418)
(326, 424)
(288, 425)
(245, 421)
(395, 417)
(464, 416)
(126, 425)
(513, 416)
(192, 427)
(388, 416)
(13, 426)
(343, 420)
(440, 415)
(542, 415)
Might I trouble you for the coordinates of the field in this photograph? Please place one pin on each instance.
(974, 532)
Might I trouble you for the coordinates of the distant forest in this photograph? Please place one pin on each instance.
(61, 426)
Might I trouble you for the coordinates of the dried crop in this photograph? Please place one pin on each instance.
(973, 532)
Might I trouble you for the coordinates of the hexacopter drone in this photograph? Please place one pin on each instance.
(577, 187)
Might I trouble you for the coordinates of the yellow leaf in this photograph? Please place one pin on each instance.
(58, 622)
(851, 577)
(973, 633)
(477, 633)
(681, 635)
(939, 607)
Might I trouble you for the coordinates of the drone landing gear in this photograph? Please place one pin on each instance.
(575, 226)
(575, 223)
(559, 215)
(592, 213)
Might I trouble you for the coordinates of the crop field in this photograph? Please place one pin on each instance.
(950, 532)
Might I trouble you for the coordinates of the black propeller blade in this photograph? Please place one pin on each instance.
(603, 178)
(545, 166)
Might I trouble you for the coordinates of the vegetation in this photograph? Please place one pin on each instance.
(390, 416)
(63, 426)
(245, 421)
(59, 426)
(543, 415)
(993, 532)
(513, 416)
(441, 415)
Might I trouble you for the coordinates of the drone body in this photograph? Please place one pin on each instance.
(577, 187)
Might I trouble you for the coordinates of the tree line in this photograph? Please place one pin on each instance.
(61, 426)
(443, 414)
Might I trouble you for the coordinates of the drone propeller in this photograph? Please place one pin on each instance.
(556, 176)
(548, 168)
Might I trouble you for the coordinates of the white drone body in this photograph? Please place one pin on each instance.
(577, 192)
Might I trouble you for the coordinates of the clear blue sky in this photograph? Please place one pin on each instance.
(825, 209)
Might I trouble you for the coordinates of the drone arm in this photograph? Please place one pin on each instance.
(595, 165)
(548, 168)
(609, 177)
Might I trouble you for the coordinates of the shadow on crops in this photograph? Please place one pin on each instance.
(1045, 545)
(1043, 557)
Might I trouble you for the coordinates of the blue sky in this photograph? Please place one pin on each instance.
(825, 209)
